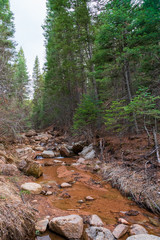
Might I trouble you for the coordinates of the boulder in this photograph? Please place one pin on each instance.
(137, 229)
(88, 152)
(48, 154)
(94, 220)
(120, 230)
(31, 168)
(89, 198)
(143, 237)
(98, 233)
(9, 169)
(64, 151)
(41, 226)
(26, 153)
(31, 133)
(81, 161)
(32, 187)
(70, 226)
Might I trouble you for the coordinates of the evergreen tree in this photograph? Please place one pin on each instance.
(6, 47)
(37, 111)
(21, 77)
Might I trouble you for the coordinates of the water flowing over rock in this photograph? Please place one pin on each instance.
(32, 187)
(98, 233)
(70, 227)
(143, 237)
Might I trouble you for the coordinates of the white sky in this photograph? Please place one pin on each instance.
(29, 17)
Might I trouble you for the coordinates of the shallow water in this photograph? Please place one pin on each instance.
(107, 204)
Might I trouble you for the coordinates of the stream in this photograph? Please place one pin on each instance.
(108, 203)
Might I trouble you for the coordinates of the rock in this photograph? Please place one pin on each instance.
(137, 229)
(89, 198)
(31, 168)
(65, 185)
(123, 221)
(49, 193)
(70, 226)
(78, 147)
(48, 154)
(132, 213)
(81, 161)
(96, 168)
(41, 226)
(98, 233)
(154, 222)
(90, 155)
(120, 230)
(88, 152)
(65, 195)
(143, 237)
(26, 153)
(31, 133)
(64, 151)
(2, 148)
(32, 187)
(80, 201)
(40, 149)
(9, 169)
(94, 220)
(57, 161)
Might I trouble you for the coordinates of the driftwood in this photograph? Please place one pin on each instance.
(156, 144)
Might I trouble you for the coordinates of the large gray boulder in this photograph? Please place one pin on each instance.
(143, 237)
(70, 226)
(98, 233)
(137, 229)
(88, 152)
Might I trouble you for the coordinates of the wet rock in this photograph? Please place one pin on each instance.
(32, 187)
(89, 198)
(48, 154)
(65, 185)
(143, 237)
(9, 169)
(137, 229)
(120, 230)
(65, 195)
(132, 213)
(64, 151)
(94, 220)
(98, 233)
(31, 133)
(41, 226)
(123, 221)
(70, 227)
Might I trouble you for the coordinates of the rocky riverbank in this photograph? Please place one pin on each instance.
(71, 190)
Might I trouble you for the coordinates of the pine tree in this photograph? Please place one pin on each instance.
(21, 77)
(37, 110)
(7, 47)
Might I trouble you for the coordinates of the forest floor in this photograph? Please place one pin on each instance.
(126, 163)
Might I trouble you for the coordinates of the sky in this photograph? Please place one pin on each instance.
(29, 16)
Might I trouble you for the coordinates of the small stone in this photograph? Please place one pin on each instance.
(98, 233)
(80, 201)
(94, 220)
(65, 185)
(41, 226)
(96, 168)
(89, 198)
(48, 154)
(137, 229)
(132, 213)
(123, 221)
(120, 230)
(48, 193)
(34, 201)
(65, 195)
